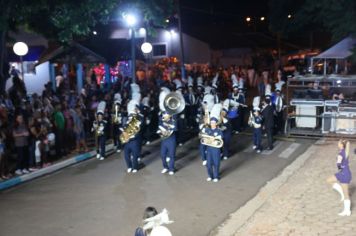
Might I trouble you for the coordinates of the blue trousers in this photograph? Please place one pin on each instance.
(168, 149)
(202, 150)
(213, 162)
(132, 149)
(101, 145)
(227, 139)
(257, 137)
(116, 135)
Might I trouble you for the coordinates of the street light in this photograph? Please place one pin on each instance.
(21, 49)
(289, 16)
(146, 48)
(262, 18)
(248, 19)
(131, 21)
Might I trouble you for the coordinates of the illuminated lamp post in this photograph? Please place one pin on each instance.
(21, 49)
(131, 21)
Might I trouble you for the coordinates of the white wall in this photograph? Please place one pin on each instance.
(195, 51)
(35, 82)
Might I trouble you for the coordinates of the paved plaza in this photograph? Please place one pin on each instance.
(100, 198)
(302, 204)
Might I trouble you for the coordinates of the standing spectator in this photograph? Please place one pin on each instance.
(79, 132)
(59, 125)
(3, 161)
(21, 134)
(68, 131)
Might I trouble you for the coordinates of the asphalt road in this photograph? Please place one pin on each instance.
(99, 198)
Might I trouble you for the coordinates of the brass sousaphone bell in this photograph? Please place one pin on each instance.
(174, 103)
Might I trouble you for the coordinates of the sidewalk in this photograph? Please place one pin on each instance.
(60, 164)
(299, 201)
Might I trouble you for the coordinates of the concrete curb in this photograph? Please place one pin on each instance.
(237, 219)
(55, 167)
(50, 169)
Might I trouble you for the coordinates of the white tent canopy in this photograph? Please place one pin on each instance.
(341, 50)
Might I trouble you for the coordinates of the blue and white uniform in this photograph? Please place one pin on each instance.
(99, 127)
(257, 132)
(168, 144)
(213, 154)
(133, 146)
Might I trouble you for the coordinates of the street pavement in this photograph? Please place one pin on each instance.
(100, 198)
(303, 204)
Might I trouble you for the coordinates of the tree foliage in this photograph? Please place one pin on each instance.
(65, 20)
(335, 16)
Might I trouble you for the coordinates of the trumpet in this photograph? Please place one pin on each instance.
(116, 117)
(250, 119)
(211, 140)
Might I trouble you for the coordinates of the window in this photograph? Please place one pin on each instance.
(159, 50)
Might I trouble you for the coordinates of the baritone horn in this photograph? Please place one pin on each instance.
(211, 140)
(174, 103)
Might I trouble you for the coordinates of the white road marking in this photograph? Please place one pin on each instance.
(249, 149)
(288, 151)
(275, 147)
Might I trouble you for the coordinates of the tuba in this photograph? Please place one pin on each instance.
(131, 130)
(174, 103)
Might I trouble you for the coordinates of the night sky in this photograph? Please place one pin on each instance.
(223, 24)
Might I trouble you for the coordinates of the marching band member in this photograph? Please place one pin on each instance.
(214, 88)
(238, 97)
(207, 105)
(226, 126)
(167, 127)
(116, 120)
(191, 104)
(131, 134)
(213, 150)
(200, 86)
(255, 121)
(99, 126)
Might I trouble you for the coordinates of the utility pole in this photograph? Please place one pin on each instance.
(181, 39)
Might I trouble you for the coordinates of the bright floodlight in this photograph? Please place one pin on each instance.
(146, 47)
(130, 20)
(142, 32)
(248, 19)
(20, 48)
